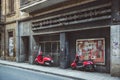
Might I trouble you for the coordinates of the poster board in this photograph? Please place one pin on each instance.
(91, 49)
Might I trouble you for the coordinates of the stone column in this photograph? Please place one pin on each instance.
(33, 48)
(115, 50)
(20, 56)
(64, 55)
(17, 42)
(2, 51)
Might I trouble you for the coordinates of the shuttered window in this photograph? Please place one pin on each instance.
(11, 6)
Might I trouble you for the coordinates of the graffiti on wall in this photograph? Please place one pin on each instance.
(91, 49)
(115, 48)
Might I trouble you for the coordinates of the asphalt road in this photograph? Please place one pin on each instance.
(13, 73)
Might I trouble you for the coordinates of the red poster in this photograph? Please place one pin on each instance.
(91, 49)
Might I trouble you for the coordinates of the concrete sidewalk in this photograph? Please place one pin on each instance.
(62, 72)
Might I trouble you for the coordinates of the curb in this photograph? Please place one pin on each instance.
(75, 78)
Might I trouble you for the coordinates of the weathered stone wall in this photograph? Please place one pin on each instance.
(10, 27)
(10, 23)
(2, 42)
(115, 50)
(17, 15)
(23, 33)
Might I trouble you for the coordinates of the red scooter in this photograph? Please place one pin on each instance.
(87, 65)
(47, 60)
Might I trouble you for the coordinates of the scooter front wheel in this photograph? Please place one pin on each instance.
(73, 68)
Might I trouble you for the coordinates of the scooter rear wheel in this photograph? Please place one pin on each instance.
(36, 63)
(89, 68)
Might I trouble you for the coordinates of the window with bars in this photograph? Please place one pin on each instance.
(50, 48)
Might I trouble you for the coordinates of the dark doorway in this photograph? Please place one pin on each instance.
(26, 47)
(11, 44)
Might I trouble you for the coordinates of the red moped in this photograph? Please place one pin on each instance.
(87, 65)
(44, 60)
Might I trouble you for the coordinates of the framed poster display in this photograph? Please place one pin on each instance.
(93, 49)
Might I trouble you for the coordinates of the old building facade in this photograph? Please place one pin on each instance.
(2, 29)
(10, 11)
(59, 27)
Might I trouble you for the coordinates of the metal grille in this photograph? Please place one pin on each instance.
(95, 13)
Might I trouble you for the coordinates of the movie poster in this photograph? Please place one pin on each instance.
(91, 49)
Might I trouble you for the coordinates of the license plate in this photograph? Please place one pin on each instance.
(47, 63)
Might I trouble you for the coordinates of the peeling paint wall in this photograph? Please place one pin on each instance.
(115, 50)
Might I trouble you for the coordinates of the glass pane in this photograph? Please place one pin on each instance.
(47, 48)
(42, 47)
(58, 47)
(54, 47)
